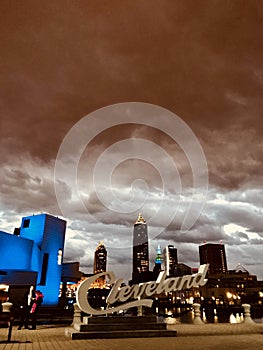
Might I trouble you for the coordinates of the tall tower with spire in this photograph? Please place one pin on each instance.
(140, 250)
(158, 262)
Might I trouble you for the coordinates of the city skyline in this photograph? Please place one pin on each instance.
(212, 253)
(203, 63)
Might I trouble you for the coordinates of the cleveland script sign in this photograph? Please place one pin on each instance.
(137, 292)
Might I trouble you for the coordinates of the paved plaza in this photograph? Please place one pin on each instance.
(189, 337)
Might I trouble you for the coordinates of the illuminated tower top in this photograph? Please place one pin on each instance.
(158, 262)
(158, 259)
(140, 220)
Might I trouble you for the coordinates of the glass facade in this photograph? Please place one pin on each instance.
(215, 256)
(100, 265)
(170, 260)
(38, 250)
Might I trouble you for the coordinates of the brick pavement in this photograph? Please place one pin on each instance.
(190, 337)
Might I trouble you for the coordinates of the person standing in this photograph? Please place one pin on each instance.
(36, 303)
(26, 307)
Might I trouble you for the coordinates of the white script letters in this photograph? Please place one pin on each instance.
(138, 292)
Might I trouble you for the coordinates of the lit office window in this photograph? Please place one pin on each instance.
(60, 256)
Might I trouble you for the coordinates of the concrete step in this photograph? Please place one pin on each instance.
(118, 327)
(119, 319)
(74, 335)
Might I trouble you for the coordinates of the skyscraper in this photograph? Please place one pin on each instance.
(100, 263)
(215, 256)
(140, 250)
(100, 258)
(158, 262)
(170, 260)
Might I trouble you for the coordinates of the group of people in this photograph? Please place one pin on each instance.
(31, 303)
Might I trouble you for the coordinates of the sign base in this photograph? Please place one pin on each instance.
(110, 327)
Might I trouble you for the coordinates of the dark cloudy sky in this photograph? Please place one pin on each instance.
(202, 60)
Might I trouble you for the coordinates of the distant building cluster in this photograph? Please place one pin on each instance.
(165, 260)
(223, 286)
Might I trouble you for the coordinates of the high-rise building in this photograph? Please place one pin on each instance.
(214, 255)
(34, 254)
(100, 258)
(140, 250)
(170, 260)
(158, 262)
(100, 264)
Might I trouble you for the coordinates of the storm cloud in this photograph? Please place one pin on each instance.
(200, 60)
